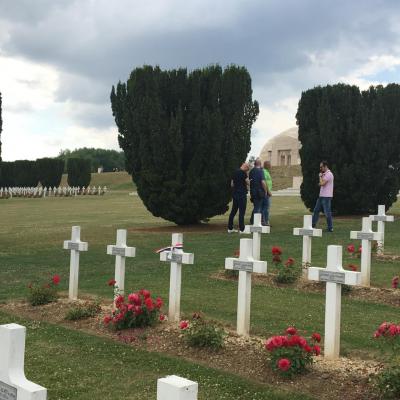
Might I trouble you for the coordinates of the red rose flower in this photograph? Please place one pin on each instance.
(149, 304)
(316, 336)
(184, 325)
(289, 262)
(383, 327)
(395, 282)
(350, 248)
(159, 302)
(377, 334)
(138, 310)
(145, 293)
(360, 249)
(307, 348)
(134, 298)
(56, 279)
(112, 282)
(162, 317)
(284, 364)
(392, 330)
(276, 251)
(317, 350)
(291, 330)
(119, 301)
(107, 319)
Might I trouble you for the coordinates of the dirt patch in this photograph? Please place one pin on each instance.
(198, 228)
(341, 379)
(372, 294)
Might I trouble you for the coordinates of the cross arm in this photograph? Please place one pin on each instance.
(384, 218)
(123, 251)
(259, 267)
(256, 229)
(340, 276)
(180, 258)
(365, 235)
(80, 246)
(307, 232)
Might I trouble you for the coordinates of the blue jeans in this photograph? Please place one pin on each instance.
(265, 209)
(239, 201)
(258, 207)
(323, 203)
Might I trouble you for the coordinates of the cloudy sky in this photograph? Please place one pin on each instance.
(59, 58)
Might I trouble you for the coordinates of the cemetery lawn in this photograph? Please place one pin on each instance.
(31, 236)
(77, 366)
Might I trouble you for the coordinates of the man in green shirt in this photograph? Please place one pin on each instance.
(267, 200)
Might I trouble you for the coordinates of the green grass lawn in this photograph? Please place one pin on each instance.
(31, 236)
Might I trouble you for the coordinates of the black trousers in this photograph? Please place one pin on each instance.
(239, 203)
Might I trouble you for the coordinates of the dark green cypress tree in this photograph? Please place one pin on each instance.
(357, 134)
(25, 173)
(183, 134)
(50, 171)
(78, 172)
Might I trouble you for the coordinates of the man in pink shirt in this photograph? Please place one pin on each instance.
(324, 201)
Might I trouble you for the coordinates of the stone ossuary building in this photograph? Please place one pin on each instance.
(282, 149)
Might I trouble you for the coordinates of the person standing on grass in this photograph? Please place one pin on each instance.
(267, 200)
(258, 188)
(324, 200)
(239, 185)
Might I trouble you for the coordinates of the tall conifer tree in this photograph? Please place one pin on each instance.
(183, 134)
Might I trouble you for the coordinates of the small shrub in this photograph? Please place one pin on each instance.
(202, 333)
(83, 311)
(388, 383)
(288, 272)
(40, 294)
(139, 311)
(291, 354)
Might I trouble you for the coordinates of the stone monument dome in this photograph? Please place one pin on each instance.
(282, 149)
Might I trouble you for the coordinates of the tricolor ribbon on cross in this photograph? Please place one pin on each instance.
(178, 246)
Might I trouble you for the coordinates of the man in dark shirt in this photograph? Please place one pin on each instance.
(258, 188)
(239, 184)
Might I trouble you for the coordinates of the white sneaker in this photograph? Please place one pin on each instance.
(242, 233)
(232, 230)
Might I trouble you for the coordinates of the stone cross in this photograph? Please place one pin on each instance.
(120, 250)
(245, 264)
(176, 388)
(308, 232)
(13, 383)
(381, 218)
(76, 246)
(177, 257)
(366, 236)
(335, 276)
(256, 229)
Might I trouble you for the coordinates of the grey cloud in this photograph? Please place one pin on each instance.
(94, 48)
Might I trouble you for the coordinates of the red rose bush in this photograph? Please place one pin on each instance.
(137, 310)
(286, 272)
(44, 293)
(291, 354)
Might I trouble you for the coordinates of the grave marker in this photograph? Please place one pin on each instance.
(245, 264)
(120, 250)
(381, 218)
(366, 236)
(335, 276)
(76, 246)
(176, 257)
(308, 232)
(13, 383)
(176, 388)
(256, 229)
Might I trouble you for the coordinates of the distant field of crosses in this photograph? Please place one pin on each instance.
(61, 191)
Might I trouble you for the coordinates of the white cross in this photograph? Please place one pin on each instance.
(381, 218)
(245, 264)
(176, 388)
(335, 276)
(177, 257)
(308, 232)
(13, 383)
(366, 236)
(120, 250)
(75, 245)
(256, 229)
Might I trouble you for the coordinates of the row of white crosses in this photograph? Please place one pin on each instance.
(61, 191)
(15, 386)
(120, 250)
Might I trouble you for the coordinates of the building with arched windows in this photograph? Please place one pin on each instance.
(282, 149)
